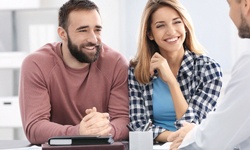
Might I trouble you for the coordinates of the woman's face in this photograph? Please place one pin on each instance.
(167, 29)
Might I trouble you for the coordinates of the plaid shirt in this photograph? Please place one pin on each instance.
(199, 78)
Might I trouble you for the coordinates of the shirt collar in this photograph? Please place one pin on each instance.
(187, 64)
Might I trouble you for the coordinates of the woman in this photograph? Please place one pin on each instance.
(170, 79)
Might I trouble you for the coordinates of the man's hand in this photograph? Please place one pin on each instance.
(177, 137)
(95, 123)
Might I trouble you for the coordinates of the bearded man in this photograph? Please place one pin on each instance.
(77, 86)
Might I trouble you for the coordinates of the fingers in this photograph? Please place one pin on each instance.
(181, 132)
(155, 58)
(96, 131)
(92, 117)
(153, 63)
(175, 145)
(173, 136)
(105, 131)
(151, 71)
(93, 112)
(100, 127)
(177, 137)
(95, 123)
(176, 141)
(87, 111)
(156, 55)
(159, 63)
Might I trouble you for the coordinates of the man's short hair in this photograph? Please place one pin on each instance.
(73, 5)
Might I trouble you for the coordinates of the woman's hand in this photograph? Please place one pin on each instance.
(160, 64)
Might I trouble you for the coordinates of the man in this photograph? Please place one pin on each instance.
(77, 86)
(229, 126)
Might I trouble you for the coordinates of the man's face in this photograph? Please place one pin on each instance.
(238, 18)
(84, 35)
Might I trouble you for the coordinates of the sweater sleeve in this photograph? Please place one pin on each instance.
(119, 101)
(35, 105)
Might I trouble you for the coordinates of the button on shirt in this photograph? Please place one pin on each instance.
(200, 80)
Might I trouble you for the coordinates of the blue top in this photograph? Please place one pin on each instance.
(163, 107)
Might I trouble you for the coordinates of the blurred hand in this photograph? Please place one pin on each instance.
(95, 123)
(177, 137)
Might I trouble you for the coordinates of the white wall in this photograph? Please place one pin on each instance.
(213, 28)
(121, 20)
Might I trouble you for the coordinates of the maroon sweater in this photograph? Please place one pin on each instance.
(53, 97)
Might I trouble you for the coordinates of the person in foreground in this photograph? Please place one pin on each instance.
(77, 86)
(170, 79)
(227, 128)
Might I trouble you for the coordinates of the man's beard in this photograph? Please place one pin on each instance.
(244, 29)
(81, 56)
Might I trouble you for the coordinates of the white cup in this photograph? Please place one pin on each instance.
(139, 140)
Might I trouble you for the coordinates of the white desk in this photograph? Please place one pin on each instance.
(165, 146)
